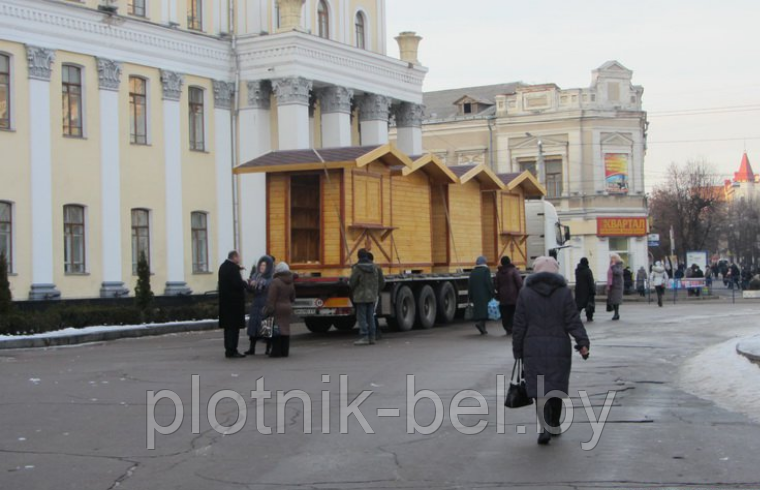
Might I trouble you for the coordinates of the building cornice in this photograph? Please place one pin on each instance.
(68, 27)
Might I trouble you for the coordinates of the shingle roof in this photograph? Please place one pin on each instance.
(295, 157)
(440, 104)
(460, 170)
(507, 178)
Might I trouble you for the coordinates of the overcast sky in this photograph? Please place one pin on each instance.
(697, 61)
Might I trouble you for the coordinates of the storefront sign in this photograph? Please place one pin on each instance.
(616, 172)
(621, 226)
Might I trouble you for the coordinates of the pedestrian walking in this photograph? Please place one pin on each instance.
(508, 284)
(627, 280)
(545, 318)
(695, 272)
(280, 298)
(641, 282)
(615, 285)
(481, 291)
(365, 283)
(232, 288)
(585, 289)
(659, 281)
(260, 279)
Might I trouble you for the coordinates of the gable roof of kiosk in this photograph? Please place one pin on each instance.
(488, 180)
(433, 166)
(526, 180)
(324, 158)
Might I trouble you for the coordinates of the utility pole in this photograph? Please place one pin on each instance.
(672, 241)
(540, 165)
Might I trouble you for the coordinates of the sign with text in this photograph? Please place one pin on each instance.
(616, 172)
(621, 226)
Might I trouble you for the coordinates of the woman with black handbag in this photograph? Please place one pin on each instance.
(280, 300)
(545, 319)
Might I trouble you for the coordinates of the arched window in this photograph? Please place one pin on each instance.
(199, 236)
(5, 92)
(138, 105)
(6, 233)
(361, 37)
(323, 17)
(73, 239)
(140, 237)
(71, 89)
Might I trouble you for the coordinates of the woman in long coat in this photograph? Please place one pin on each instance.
(280, 300)
(615, 285)
(260, 280)
(585, 289)
(481, 291)
(545, 319)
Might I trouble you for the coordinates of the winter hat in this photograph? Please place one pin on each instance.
(363, 254)
(658, 264)
(546, 264)
(281, 267)
(505, 261)
(584, 261)
(481, 261)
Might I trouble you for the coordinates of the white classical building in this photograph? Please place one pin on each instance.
(121, 121)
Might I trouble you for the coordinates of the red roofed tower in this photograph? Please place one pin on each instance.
(745, 173)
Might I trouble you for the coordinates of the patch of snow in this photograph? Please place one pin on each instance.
(29, 467)
(725, 377)
(35, 381)
(22, 439)
(95, 329)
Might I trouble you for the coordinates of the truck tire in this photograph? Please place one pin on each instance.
(405, 309)
(318, 325)
(426, 307)
(344, 323)
(447, 302)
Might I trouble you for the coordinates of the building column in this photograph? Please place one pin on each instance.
(409, 127)
(255, 136)
(109, 79)
(40, 61)
(224, 93)
(293, 112)
(171, 83)
(373, 119)
(335, 104)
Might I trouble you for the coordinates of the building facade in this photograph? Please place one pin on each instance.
(121, 122)
(586, 146)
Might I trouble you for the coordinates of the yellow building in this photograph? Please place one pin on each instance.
(121, 122)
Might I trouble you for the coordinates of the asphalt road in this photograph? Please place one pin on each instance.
(76, 417)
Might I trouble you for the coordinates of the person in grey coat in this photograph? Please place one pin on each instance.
(545, 319)
(615, 284)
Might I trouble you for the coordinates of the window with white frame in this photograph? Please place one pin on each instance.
(195, 15)
(73, 239)
(360, 32)
(140, 237)
(6, 233)
(5, 92)
(136, 7)
(553, 177)
(323, 19)
(71, 91)
(199, 236)
(138, 108)
(195, 104)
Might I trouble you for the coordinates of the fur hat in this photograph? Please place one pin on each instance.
(481, 261)
(546, 264)
(281, 267)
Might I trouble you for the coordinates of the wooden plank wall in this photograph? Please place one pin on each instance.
(490, 228)
(465, 211)
(512, 214)
(331, 207)
(411, 215)
(277, 221)
(440, 231)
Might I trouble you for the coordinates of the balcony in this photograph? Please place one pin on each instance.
(327, 62)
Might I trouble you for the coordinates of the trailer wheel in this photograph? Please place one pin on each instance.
(318, 325)
(406, 309)
(426, 307)
(447, 302)
(345, 323)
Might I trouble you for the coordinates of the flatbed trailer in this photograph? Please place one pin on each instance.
(406, 301)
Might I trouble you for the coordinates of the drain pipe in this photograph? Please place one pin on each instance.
(234, 116)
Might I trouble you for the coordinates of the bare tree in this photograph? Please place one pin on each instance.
(742, 231)
(692, 202)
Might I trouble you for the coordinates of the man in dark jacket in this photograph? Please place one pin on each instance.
(508, 284)
(366, 283)
(232, 288)
(585, 289)
(546, 317)
(480, 290)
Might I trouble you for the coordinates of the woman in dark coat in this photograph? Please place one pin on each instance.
(480, 290)
(585, 289)
(545, 318)
(280, 300)
(260, 280)
(508, 284)
(615, 284)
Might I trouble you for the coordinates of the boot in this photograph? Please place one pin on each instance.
(544, 437)
(362, 341)
(481, 326)
(285, 347)
(617, 313)
(276, 350)
(556, 415)
(251, 350)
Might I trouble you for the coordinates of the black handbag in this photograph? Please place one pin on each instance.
(517, 395)
(609, 307)
(591, 307)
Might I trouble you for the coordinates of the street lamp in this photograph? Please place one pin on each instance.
(540, 167)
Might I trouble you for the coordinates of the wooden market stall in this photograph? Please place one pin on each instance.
(324, 205)
(510, 237)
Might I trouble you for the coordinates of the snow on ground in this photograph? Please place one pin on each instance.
(725, 377)
(96, 329)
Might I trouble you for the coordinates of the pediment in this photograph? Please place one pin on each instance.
(616, 139)
(532, 142)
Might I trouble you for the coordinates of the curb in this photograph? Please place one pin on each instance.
(750, 348)
(116, 334)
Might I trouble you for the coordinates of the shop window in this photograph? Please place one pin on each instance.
(305, 219)
(619, 245)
